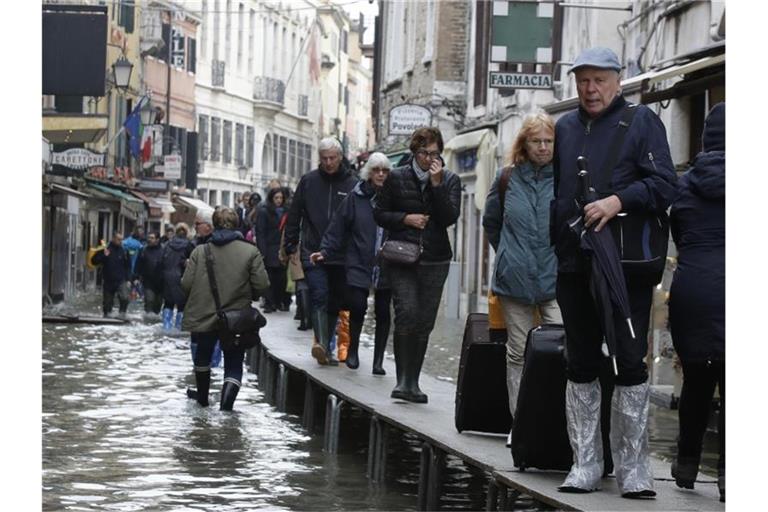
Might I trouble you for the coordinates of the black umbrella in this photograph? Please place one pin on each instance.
(607, 284)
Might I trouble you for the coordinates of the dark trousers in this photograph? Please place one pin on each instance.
(153, 300)
(233, 357)
(358, 304)
(699, 381)
(584, 331)
(123, 296)
(416, 291)
(327, 287)
(277, 283)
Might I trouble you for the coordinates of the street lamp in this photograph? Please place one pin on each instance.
(122, 68)
(242, 172)
(146, 113)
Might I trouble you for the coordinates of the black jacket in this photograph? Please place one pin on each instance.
(149, 267)
(175, 255)
(352, 237)
(267, 235)
(401, 195)
(116, 267)
(697, 295)
(317, 196)
(643, 177)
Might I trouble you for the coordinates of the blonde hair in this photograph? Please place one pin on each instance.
(532, 124)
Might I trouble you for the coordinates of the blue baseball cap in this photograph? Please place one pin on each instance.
(597, 57)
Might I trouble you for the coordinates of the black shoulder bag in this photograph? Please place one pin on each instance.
(642, 237)
(238, 328)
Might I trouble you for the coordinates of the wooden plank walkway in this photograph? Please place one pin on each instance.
(283, 344)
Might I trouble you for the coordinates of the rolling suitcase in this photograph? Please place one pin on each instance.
(539, 432)
(481, 391)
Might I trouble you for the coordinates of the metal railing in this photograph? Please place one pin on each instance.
(269, 89)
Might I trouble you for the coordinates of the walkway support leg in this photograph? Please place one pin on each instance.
(332, 420)
(491, 503)
(308, 415)
(282, 387)
(430, 477)
(377, 449)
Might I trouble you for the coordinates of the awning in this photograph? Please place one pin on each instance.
(155, 209)
(485, 168)
(55, 187)
(165, 204)
(195, 203)
(642, 83)
(119, 194)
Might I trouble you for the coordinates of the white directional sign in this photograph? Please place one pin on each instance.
(172, 167)
(520, 80)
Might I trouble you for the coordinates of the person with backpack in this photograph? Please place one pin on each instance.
(516, 221)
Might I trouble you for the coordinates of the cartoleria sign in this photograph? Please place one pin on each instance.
(520, 80)
(404, 119)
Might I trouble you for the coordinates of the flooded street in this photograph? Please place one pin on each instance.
(119, 433)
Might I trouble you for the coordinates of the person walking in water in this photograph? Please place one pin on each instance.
(240, 279)
(115, 273)
(175, 255)
(149, 268)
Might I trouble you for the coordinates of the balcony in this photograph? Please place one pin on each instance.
(269, 91)
(303, 106)
(217, 73)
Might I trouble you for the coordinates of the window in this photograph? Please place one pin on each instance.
(202, 128)
(212, 197)
(249, 141)
(467, 160)
(291, 158)
(239, 143)
(126, 15)
(281, 167)
(192, 57)
(344, 38)
(275, 151)
(202, 194)
(225, 194)
(215, 139)
(227, 143)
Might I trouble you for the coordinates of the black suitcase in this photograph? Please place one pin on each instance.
(482, 403)
(539, 433)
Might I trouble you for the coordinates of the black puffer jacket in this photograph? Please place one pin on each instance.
(402, 195)
(175, 255)
(149, 267)
(117, 266)
(268, 234)
(317, 196)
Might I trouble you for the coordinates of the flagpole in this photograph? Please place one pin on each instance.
(122, 128)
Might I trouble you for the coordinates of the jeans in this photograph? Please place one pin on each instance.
(584, 330)
(327, 287)
(153, 300)
(123, 296)
(233, 358)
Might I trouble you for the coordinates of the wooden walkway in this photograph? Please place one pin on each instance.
(287, 373)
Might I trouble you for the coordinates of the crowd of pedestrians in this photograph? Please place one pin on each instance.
(345, 231)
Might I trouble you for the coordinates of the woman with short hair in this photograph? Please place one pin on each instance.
(516, 221)
(240, 279)
(175, 254)
(417, 204)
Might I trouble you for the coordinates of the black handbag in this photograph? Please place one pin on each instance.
(641, 237)
(401, 252)
(238, 328)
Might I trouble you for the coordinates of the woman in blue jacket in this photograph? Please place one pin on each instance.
(353, 233)
(697, 298)
(516, 221)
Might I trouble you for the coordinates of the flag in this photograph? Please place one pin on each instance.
(146, 144)
(134, 129)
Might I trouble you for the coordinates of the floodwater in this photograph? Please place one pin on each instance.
(119, 433)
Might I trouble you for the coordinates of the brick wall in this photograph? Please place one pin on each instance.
(452, 44)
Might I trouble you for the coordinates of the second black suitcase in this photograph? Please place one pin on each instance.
(482, 403)
(539, 433)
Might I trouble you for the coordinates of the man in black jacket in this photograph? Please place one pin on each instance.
(149, 268)
(638, 179)
(317, 196)
(115, 274)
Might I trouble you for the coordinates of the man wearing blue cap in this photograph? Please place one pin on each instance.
(632, 172)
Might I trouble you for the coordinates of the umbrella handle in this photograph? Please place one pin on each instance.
(631, 329)
(615, 367)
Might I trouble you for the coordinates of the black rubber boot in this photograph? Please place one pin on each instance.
(203, 382)
(684, 471)
(332, 319)
(379, 346)
(304, 304)
(417, 353)
(399, 343)
(228, 394)
(355, 328)
(320, 327)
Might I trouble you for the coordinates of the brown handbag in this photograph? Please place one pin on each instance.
(401, 252)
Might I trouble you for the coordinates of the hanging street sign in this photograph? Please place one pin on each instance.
(404, 119)
(78, 158)
(521, 32)
(172, 167)
(502, 80)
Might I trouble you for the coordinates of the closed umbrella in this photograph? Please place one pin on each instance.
(607, 284)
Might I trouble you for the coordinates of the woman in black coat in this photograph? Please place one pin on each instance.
(354, 235)
(417, 204)
(175, 254)
(267, 236)
(697, 298)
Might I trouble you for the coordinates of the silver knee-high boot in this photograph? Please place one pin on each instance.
(629, 441)
(514, 373)
(582, 412)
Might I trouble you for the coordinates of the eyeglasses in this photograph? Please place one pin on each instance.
(430, 154)
(380, 170)
(539, 142)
